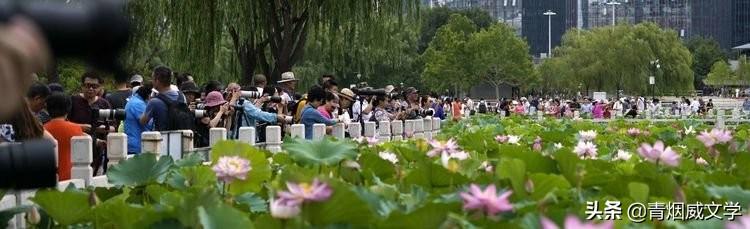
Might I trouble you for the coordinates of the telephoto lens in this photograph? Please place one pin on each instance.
(109, 114)
(250, 94)
(200, 113)
(28, 165)
(288, 119)
(275, 99)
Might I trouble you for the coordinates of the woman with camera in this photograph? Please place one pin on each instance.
(217, 109)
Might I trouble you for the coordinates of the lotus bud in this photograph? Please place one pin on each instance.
(529, 186)
(93, 199)
(33, 215)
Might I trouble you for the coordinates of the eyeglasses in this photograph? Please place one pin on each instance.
(91, 86)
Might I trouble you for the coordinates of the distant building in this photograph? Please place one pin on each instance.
(508, 11)
(726, 21)
(535, 25)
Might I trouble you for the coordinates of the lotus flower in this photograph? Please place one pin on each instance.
(372, 141)
(351, 164)
(486, 201)
(228, 169)
(573, 222)
(283, 210)
(558, 146)
(689, 130)
(585, 149)
(301, 192)
(634, 132)
(487, 167)
(657, 153)
(743, 222)
(501, 138)
(388, 156)
(588, 135)
(537, 144)
(701, 161)
(716, 136)
(623, 155)
(514, 139)
(439, 148)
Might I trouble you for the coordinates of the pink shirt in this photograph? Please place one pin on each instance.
(324, 112)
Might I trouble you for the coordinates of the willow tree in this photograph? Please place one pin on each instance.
(268, 36)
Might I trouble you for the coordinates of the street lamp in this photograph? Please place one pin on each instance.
(614, 13)
(549, 15)
(652, 79)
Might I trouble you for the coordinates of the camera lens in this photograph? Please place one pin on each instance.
(28, 165)
(250, 94)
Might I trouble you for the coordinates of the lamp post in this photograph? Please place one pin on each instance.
(549, 15)
(652, 79)
(614, 13)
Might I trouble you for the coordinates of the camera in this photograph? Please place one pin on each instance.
(28, 165)
(108, 114)
(96, 32)
(256, 95)
(199, 113)
(369, 91)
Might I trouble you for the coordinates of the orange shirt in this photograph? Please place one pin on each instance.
(456, 110)
(63, 131)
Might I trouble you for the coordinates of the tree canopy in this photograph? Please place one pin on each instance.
(446, 63)
(706, 52)
(620, 58)
(500, 57)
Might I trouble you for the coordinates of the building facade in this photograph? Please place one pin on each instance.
(536, 25)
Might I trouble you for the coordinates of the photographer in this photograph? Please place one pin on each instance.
(380, 113)
(217, 109)
(36, 98)
(58, 107)
(134, 109)
(310, 114)
(192, 94)
(82, 113)
(413, 107)
(346, 99)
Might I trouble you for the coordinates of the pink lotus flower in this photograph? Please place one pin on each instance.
(716, 136)
(228, 169)
(585, 150)
(501, 138)
(301, 192)
(439, 148)
(743, 222)
(657, 153)
(573, 222)
(283, 210)
(634, 132)
(537, 144)
(486, 201)
(588, 135)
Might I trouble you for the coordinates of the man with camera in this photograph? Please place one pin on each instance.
(167, 109)
(83, 111)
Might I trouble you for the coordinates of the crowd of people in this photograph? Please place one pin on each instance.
(172, 101)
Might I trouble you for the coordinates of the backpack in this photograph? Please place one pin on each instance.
(179, 116)
(482, 108)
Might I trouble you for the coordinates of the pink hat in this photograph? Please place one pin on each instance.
(214, 98)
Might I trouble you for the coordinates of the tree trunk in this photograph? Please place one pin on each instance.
(287, 34)
(497, 92)
(52, 75)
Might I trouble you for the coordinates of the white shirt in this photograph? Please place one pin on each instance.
(357, 107)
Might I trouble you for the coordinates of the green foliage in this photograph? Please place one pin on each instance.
(324, 152)
(419, 191)
(500, 57)
(436, 17)
(619, 58)
(140, 170)
(446, 57)
(721, 74)
(706, 52)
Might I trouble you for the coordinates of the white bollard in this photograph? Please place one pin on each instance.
(369, 129)
(81, 158)
(273, 139)
(436, 122)
(576, 114)
(720, 119)
(397, 128)
(502, 114)
(355, 130)
(418, 128)
(151, 142)
(247, 135)
(216, 135)
(384, 131)
(117, 148)
(427, 125)
(6, 202)
(187, 140)
(736, 114)
(298, 131)
(539, 115)
(339, 131)
(319, 132)
(409, 129)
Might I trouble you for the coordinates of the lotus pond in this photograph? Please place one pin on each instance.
(483, 172)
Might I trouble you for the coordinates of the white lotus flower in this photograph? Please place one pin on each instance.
(701, 161)
(585, 150)
(623, 155)
(689, 130)
(588, 135)
(558, 146)
(388, 156)
(514, 139)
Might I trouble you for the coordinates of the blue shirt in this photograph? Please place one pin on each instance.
(157, 109)
(253, 114)
(134, 108)
(311, 116)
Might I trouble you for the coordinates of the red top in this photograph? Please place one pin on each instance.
(63, 131)
(324, 112)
